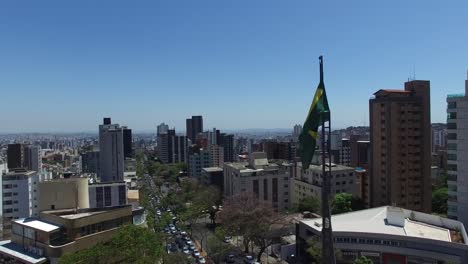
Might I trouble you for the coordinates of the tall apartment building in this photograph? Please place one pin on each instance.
(400, 131)
(269, 182)
(15, 156)
(279, 150)
(297, 130)
(161, 129)
(457, 155)
(127, 142)
(111, 152)
(345, 152)
(172, 148)
(227, 142)
(194, 126)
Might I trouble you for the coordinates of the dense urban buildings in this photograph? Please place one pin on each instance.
(390, 235)
(111, 152)
(400, 172)
(457, 156)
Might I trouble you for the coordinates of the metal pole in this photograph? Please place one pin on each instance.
(328, 253)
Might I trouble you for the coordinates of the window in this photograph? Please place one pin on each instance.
(451, 136)
(99, 197)
(107, 196)
(452, 146)
(122, 195)
(451, 156)
(451, 125)
(452, 167)
(265, 189)
(256, 189)
(452, 115)
(274, 189)
(452, 105)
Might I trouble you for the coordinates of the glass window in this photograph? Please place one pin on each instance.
(452, 105)
(452, 156)
(451, 115)
(451, 136)
(452, 146)
(451, 125)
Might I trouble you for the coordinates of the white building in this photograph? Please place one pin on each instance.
(309, 182)
(269, 182)
(457, 156)
(389, 235)
(20, 195)
(111, 153)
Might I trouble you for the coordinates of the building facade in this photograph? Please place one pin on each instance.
(457, 155)
(269, 182)
(400, 172)
(90, 162)
(127, 142)
(107, 194)
(111, 152)
(194, 126)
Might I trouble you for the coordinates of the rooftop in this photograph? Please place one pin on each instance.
(394, 221)
(81, 213)
(37, 224)
(19, 253)
(212, 169)
(20, 172)
(334, 167)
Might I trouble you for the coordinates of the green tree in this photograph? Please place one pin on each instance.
(217, 249)
(309, 203)
(131, 244)
(363, 260)
(342, 203)
(439, 201)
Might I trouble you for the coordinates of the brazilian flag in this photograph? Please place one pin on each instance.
(319, 113)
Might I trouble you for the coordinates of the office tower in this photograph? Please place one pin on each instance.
(90, 162)
(172, 148)
(457, 159)
(194, 126)
(279, 150)
(15, 156)
(32, 158)
(111, 152)
(227, 142)
(127, 142)
(216, 156)
(439, 137)
(296, 132)
(401, 147)
(162, 129)
(269, 182)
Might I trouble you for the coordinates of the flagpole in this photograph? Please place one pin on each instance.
(328, 253)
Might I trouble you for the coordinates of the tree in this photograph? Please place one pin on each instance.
(217, 249)
(342, 203)
(309, 203)
(439, 201)
(256, 222)
(176, 258)
(363, 260)
(315, 251)
(131, 244)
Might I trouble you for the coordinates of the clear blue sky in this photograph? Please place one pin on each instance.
(241, 64)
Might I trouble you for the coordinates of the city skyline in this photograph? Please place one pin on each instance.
(245, 65)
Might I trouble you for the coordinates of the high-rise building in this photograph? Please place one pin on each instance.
(90, 162)
(172, 148)
(127, 142)
(439, 137)
(296, 132)
(279, 150)
(194, 126)
(227, 142)
(400, 131)
(15, 156)
(32, 158)
(457, 158)
(198, 161)
(111, 152)
(162, 129)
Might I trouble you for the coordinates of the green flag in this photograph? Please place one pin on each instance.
(318, 114)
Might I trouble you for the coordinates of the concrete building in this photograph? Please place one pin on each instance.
(198, 161)
(345, 152)
(24, 156)
(90, 162)
(111, 152)
(389, 235)
(309, 182)
(439, 137)
(269, 182)
(457, 155)
(64, 194)
(46, 238)
(20, 196)
(360, 160)
(227, 142)
(400, 131)
(216, 156)
(213, 176)
(172, 148)
(107, 194)
(297, 130)
(194, 126)
(162, 129)
(279, 150)
(127, 142)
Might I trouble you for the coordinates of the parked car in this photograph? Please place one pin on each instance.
(249, 259)
(201, 260)
(196, 254)
(230, 258)
(185, 249)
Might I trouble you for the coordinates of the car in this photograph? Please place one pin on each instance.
(201, 260)
(230, 258)
(186, 250)
(173, 232)
(192, 248)
(189, 242)
(248, 259)
(183, 233)
(171, 225)
(227, 239)
(196, 254)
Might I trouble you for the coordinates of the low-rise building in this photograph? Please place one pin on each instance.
(268, 181)
(213, 176)
(389, 235)
(54, 233)
(309, 182)
(107, 194)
